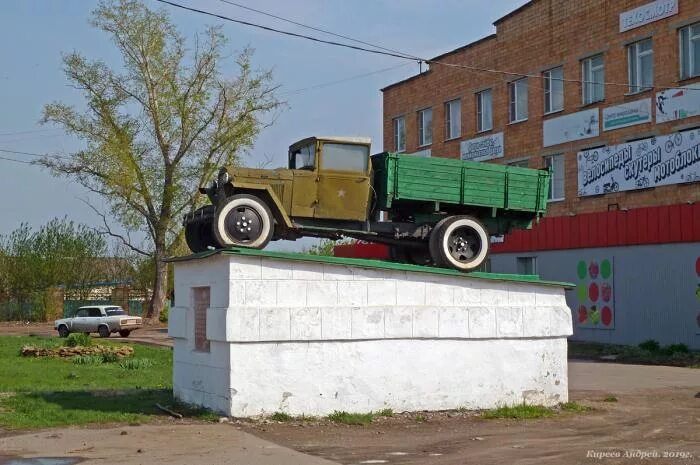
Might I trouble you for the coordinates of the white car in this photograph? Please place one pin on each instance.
(102, 319)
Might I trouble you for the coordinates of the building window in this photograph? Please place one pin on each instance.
(518, 100)
(453, 119)
(690, 51)
(484, 118)
(593, 71)
(399, 134)
(553, 90)
(555, 164)
(640, 61)
(520, 163)
(526, 265)
(201, 301)
(425, 127)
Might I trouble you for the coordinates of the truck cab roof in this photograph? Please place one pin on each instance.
(339, 139)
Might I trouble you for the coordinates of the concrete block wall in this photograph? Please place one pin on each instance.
(310, 338)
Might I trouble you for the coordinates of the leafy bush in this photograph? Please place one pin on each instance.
(88, 360)
(78, 339)
(650, 345)
(676, 349)
(136, 363)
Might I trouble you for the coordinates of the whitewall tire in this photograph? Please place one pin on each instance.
(243, 220)
(461, 242)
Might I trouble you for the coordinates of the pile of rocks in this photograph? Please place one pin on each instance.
(31, 351)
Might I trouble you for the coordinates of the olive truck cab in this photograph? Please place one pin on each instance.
(435, 211)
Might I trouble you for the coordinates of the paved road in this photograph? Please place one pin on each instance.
(152, 444)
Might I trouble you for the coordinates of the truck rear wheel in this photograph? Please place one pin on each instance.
(460, 242)
(243, 221)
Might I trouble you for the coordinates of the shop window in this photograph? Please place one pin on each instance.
(553, 90)
(453, 119)
(555, 164)
(518, 100)
(484, 118)
(425, 127)
(640, 61)
(690, 51)
(593, 74)
(526, 265)
(399, 134)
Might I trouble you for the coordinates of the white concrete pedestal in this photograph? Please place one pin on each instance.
(310, 338)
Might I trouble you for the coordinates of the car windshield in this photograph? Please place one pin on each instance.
(114, 311)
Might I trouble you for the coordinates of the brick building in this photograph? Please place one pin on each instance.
(601, 93)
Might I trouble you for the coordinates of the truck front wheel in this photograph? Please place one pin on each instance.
(243, 220)
(461, 242)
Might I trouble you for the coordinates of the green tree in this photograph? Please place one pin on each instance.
(59, 253)
(325, 246)
(157, 128)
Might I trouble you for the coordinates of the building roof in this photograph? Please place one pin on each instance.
(464, 47)
(513, 13)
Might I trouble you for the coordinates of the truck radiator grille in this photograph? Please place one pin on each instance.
(278, 189)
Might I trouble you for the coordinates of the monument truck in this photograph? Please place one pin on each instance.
(428, 210)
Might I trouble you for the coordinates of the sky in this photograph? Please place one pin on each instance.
(35, 33)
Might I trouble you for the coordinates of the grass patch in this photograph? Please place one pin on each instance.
(281, 416)
(519, 412)
(649, 352)
(387, 412)
(420, 418)
(610, 399)
(575, 407)
(41, 392)
(351, 418)
(136, 363)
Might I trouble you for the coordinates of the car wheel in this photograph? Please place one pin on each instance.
(462, 243)
(243, 221)
(124, 333)
(63, 331)
(103, 331)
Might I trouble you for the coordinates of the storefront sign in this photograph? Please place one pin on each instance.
(567, 128)
(658, 161)
(648, 13)
(627, 114)
(482, 148)
(673, 104)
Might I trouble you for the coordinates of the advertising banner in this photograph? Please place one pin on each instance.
(673, 104)
(482, 148)
(595, 292)
(648, 13)
(567, 128)
(627, 114)
(657, 161)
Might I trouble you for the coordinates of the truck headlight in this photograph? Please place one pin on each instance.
(223, 177)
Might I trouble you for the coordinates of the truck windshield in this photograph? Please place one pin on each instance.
(111, 311)
(345, 157)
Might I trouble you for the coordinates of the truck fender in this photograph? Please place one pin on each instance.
(278, 210)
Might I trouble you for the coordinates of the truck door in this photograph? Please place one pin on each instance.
(343, 182)
(302, 161)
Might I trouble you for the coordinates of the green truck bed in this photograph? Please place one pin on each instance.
(411, 178)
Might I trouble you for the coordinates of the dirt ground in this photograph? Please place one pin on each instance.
(153, 335)
(656, 419)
